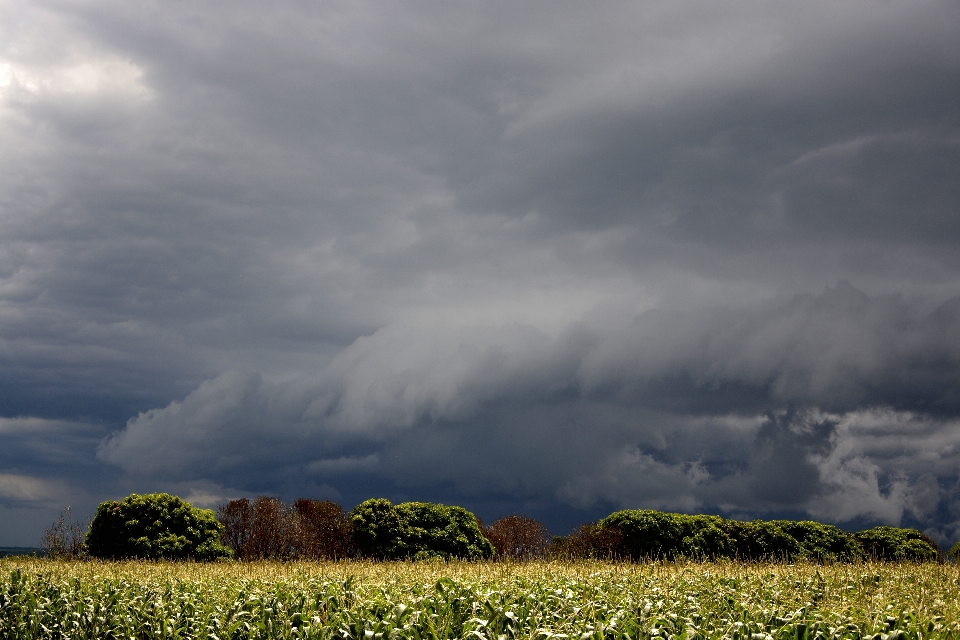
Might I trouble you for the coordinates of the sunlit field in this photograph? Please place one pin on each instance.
(500, 601)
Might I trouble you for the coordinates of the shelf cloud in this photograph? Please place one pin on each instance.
(840, 404)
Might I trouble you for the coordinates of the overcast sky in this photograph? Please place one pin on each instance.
(552, 258)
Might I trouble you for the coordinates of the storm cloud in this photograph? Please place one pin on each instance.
(840, 404)
(542, 257)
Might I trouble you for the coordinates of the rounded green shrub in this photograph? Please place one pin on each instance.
(377, 529)
(658, 535)
(822, 542)
(647, 534)
(705, 537)
(761, 540)
(892, 543)
(155, 526)
(417, 530)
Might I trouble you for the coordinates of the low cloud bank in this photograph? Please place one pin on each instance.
(841, 406)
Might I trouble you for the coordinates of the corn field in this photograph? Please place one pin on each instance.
(495, 601)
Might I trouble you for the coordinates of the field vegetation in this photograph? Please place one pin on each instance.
(583, 600)
(154, 566)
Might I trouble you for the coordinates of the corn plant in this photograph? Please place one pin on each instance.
(361, 600)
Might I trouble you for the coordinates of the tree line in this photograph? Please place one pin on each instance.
(267, 528)
(161, 526)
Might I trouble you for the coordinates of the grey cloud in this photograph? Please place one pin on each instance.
(838, 350)
(780, 468)
(772, 409)
(46, 465)
(543, 255)
(19, 489)
(861, 478)
(50, 451)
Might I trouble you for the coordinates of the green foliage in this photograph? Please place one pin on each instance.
(417, 530)
(760, 540)
(377, 529)
(706, 538)
(658, 535)
(954, 552)
(448, 532)
(822, 542)
(891, 543)
(154, 526)
(645, 534)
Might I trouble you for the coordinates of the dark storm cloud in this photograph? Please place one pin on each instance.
(42, 457)
(546, 256)
(841, 350)
(745, 410)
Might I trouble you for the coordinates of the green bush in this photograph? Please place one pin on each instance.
(647, 534)
(891, 543)
(954, 552)
(705, 537)
(416, 531)
(760, 540)
(377, 529)
(655, 534)
(822, 542)
(154, 526)
(644, 534)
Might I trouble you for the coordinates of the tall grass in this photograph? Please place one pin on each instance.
(496, 601)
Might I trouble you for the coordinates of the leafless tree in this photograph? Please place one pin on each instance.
(518, 537)
(324, 530)
(266, 528)
(237, 519)
(65, 539)
(591, 541)
(272, 531)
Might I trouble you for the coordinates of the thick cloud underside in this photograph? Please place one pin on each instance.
(553, 259)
